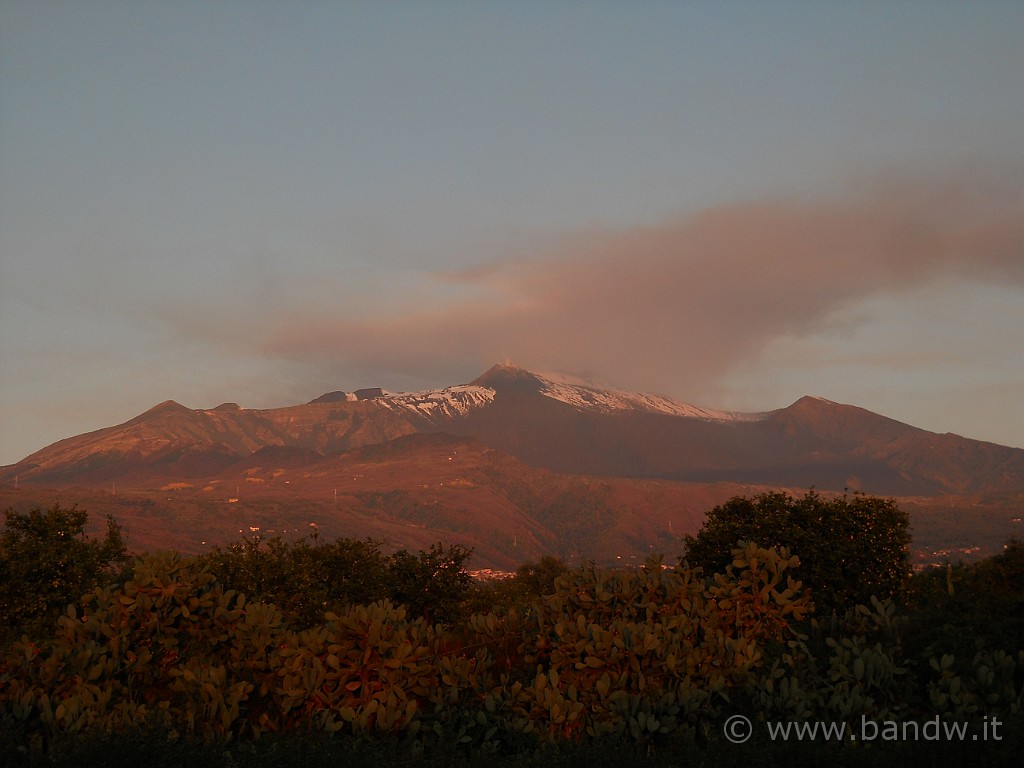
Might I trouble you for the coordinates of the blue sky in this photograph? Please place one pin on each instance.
(731, 203)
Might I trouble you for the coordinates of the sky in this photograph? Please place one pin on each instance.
(731, 203)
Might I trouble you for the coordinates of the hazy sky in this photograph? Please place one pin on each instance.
(730, 203)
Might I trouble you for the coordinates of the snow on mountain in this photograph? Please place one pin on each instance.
(459, 400)
(585, 396)
(434, 403)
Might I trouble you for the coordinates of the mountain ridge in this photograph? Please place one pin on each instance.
(559, 425)
(514, 464)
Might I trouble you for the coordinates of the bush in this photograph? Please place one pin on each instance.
(640, 655)
(850, 548)
(627, 667)
(308, 578)
(960, 607)
(304, 579)
(47, 562)
(530, 582)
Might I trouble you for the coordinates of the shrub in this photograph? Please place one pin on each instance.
(850, 548)
(649, 652)
(308, 578)
(47, 562)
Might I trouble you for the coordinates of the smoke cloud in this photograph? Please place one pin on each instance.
(673, 307)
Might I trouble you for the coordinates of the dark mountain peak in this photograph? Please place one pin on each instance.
(504, 377)
(331, 397)
(813, 404)
(370, 393)
(228, 407)
(850, 423)
(587, 397)
(167, 407)
(810, 407)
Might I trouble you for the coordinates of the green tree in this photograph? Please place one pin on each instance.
(962, 607)
(304, 579)
(531, 582)
(538, 579)
(47, 561)
(850, 548)
(433, 583)
(308, 578)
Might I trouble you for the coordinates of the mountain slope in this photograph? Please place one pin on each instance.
(813, 442)
(547, 422)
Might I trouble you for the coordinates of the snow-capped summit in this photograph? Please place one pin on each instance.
(586, 396)
(544, 420)
(447, 402)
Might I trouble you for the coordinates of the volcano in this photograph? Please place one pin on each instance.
(548, 434)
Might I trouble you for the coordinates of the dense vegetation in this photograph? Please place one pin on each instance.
(271, 653)
(851, 548)
(308, 578)
(47, 561)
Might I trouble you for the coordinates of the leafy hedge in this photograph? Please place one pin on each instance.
(271, 653)
(653, 658)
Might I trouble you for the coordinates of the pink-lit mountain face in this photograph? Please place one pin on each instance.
(547, 422)
(514, 465)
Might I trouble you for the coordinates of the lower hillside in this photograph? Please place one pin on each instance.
(413, 491)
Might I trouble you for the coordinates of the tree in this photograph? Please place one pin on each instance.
(962, 607)
(47, 562)
(432, 584)
(538, 579)
(531, 582)
(850, 548)
(304, 579)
